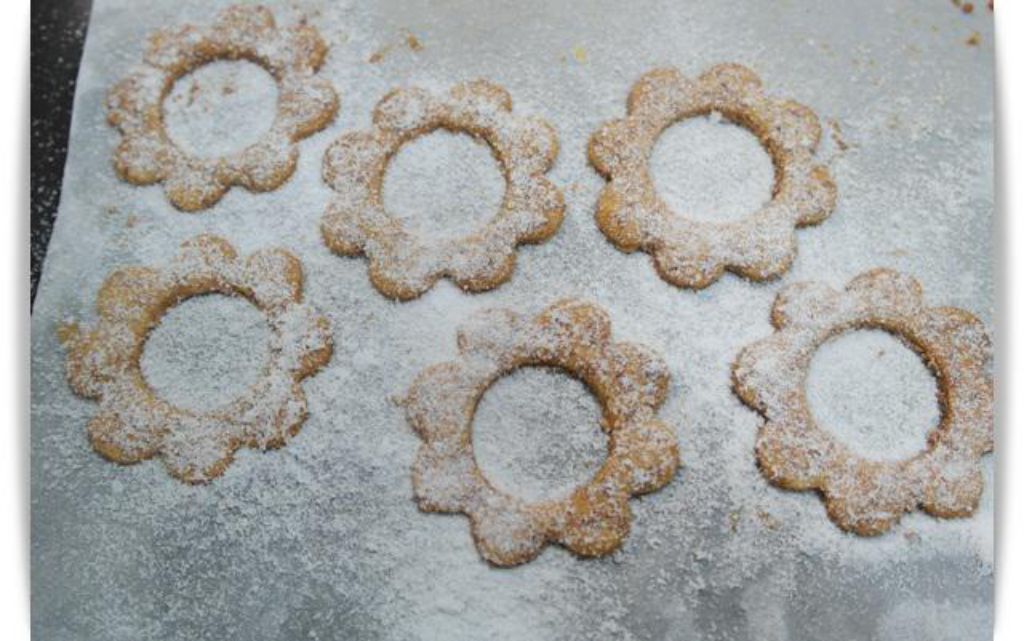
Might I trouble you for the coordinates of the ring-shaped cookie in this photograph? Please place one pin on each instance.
(306, 104)
(629, 381)
(404, 265)
(693, 253)
(794, 452)
(134, 423)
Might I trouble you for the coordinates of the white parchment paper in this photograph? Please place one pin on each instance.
(321, 539)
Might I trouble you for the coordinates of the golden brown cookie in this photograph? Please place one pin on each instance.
(794, 452)
(306, 104)
(693, 253)
(629, 381)
(402, 265)
(134, 423)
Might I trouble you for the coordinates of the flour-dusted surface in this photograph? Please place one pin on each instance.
(321, 539)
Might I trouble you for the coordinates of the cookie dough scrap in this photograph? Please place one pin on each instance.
(401, 264)
(794, 452)
(629, 381)
(306, 104)
(692, 253)
(134, 423)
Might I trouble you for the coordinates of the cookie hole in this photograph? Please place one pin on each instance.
(443, 185)
(537, 434)
(206, 351)
(874, 394)
(707, 168)
(220, 108)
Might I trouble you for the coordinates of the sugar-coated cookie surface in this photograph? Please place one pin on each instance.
(306, 104)
(134, 423)
(694, 253)
(403, 265)
(795, 452)
(629, 381)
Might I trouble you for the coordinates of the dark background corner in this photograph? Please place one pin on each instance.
(57, 34)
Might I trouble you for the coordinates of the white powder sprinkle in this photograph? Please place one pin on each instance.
(707, 168)
(874, 393)
(221, 108)
(206, 352)
(443, 185)
(537, 435)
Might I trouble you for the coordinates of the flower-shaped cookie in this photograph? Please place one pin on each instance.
(794, 452)
(306, 103)
(629, 381)
(134, 423)
(693, 253)
(403, 265)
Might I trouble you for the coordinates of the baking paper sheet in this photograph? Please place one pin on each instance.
(321, 539)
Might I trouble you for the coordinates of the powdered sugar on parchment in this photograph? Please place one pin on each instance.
(874, 393)
(443, 185)
(537, 434)
(206, 351)
(221, 108)
(710, 169)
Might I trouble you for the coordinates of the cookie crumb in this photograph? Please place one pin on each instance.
(734, 520)
(410, 41)
(768, 521)
(837, 135)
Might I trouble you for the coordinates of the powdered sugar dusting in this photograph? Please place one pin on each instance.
(443, 185)
(795, 451)
(874, 393)
(305, 104)
(631, 383)
(694, 253)
(220, 108)
(536, 434)
(710, 169)
(135, 424)
(402, 264)
(206, 351)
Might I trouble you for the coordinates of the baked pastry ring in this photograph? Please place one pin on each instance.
(306, 104)
(402, 265)
(693, 253)
(134, 423)
(628, 380)
(794, 452)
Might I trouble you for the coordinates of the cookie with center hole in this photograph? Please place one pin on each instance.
(306, 104)
(629, 381)
(134, 423)
(403, 265)
(694, 253)
(795, 452)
